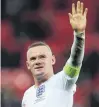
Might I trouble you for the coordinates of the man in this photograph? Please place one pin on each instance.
(56, 90)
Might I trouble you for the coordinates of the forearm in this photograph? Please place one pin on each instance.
(77, 50)
(73, 65)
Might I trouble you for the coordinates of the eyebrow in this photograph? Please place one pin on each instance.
(41, 55)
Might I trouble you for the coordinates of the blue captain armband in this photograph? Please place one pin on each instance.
(71, 70)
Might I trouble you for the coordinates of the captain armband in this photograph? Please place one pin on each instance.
(71, 70)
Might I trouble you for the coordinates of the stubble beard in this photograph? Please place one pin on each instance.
(41, 77)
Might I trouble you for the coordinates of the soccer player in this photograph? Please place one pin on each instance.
(56, 90)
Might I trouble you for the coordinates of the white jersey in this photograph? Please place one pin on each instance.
(56, 92)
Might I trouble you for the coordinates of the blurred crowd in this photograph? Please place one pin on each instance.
(26, 21)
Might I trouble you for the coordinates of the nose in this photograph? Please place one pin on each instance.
(37, 62)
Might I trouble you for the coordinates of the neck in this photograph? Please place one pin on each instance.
(39, 81)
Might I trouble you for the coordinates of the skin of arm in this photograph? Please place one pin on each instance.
(78, 23)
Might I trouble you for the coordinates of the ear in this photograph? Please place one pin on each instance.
(28, 67)
(53, 59)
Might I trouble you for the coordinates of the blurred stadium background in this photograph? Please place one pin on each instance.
(27, 21)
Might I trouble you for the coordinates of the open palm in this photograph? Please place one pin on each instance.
(78, 17)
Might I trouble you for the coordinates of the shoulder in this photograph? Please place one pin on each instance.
(60, 75)
(26, 96)
(57, 76)
(28, 91)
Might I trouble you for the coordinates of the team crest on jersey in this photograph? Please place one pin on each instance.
(40, 90)
(40, 94)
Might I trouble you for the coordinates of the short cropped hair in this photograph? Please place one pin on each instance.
(35, 44)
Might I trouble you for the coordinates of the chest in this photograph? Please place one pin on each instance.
(48, 97)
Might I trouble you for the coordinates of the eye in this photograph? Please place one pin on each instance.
(33, 58)
(42, 56)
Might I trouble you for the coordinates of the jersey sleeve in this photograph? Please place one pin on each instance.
(68, 83)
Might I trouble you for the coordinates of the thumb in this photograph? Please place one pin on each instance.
(70, 15)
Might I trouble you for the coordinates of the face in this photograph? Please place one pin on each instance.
(40, 61)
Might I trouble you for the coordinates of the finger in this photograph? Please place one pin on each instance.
(78, 7)
(73, 9)
(70, 16)
(82, 5)
(85, 12)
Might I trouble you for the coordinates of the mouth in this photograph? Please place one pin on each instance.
(39, 67)
(39, 70)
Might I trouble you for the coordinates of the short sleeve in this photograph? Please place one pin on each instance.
(68, 82)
